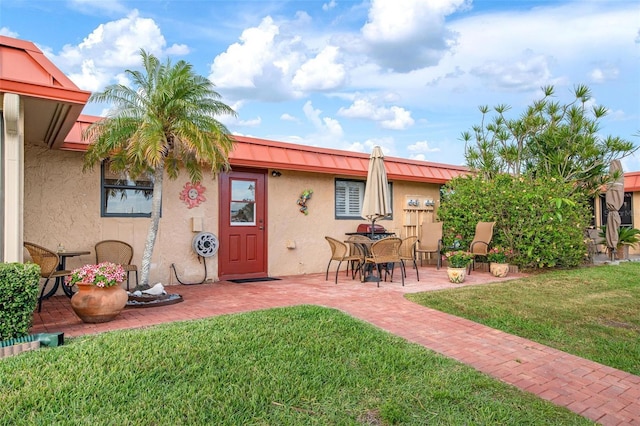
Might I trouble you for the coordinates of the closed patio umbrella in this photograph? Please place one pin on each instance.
(376, 204)
(614, 199)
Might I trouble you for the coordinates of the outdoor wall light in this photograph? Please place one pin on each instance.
(276, 173)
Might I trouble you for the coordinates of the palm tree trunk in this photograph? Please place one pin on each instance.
(156, 203)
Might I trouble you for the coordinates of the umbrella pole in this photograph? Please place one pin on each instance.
(373, 225)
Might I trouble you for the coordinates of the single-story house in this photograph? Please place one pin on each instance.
(252, 211)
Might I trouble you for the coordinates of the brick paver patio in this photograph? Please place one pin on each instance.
(603, 394)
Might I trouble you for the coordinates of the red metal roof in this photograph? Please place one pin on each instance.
(26, 71)
(632, 181)
(262, 153)
(51, 101)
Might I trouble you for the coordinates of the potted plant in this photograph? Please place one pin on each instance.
(627, 237)
(498, 258)
(457, 263)
(100, 298)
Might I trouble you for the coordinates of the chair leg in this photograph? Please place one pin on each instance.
(415, 265)
(403, 272)
(338, 270)
(326, 275)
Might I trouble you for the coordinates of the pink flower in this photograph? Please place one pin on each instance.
(105, 274)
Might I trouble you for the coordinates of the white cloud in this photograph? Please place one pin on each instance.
(109, 48)
(329, 6)
(8, 33)
(604, 73)
(420, 148)
(395, 117)
(288, 117)
(97, 6)
(412, 36)
(320, 73)
(529, 73)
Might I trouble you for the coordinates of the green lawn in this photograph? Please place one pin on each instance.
(592, 312)
(291, 366)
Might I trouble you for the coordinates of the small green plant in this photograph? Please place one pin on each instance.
(18, 298)
(499, 255)
(459, 258)
(626, 236)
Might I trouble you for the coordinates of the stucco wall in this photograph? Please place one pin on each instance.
(62, 205)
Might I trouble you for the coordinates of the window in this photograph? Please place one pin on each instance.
(349, 196)
(243, 201)
(626, 216)
(123, 197)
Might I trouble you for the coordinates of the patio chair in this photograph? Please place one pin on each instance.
(117, 252)
(48, 260)
(358, 246)
(340, 253)
(481, 240)
(430, 241)
(408, 253)
(385, 253)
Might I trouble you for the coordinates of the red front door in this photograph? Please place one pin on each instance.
(243, 230)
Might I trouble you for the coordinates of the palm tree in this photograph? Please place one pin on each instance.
(164, 122)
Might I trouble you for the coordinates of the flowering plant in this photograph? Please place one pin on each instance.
(459, 258)
(105, 274)
(499, 254)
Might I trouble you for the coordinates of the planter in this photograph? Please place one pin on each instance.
(98, 304)
(499, 270)
(622, 252)
(456, 275)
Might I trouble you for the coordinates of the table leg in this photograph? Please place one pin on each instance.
(60, 280)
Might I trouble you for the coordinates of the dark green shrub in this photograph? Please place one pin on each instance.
(538, 218)
(18, 298)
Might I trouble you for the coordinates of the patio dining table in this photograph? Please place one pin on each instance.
(63, 255)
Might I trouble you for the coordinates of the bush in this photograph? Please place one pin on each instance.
(19, 284)
(537, 218)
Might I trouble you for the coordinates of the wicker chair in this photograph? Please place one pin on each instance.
(117, 252)
(340, 253)
(386, 252)
(48, 261)
(430, 241)
(408, 253)
(481, 240)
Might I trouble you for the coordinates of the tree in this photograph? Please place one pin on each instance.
(549, 139)
(165, 122)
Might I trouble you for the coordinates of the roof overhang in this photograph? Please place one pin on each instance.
(52, 103)
(267, 154)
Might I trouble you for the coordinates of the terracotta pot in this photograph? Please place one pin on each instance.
(98, 304)
(499, 270)
(456, 275)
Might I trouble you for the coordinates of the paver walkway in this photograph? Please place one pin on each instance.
(603, 394)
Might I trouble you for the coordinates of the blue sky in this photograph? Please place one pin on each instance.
(407, 75)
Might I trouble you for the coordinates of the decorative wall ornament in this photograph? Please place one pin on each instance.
(193, 194)
(302, 201)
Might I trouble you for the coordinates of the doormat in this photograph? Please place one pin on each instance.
(253, 280)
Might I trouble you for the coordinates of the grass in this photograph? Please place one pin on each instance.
(591, 312)
(291, 366)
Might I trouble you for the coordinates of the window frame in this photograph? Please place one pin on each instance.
(105, 186)
(339, 216)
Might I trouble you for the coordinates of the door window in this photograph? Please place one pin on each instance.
(243, 201)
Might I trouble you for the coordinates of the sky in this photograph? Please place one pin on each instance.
(407, 75)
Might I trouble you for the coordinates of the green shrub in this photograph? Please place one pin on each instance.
(18, 298)
(537, 218)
